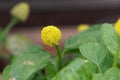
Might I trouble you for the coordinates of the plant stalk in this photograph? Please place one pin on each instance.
(116, 58)
(99, 68)
(12, 22)
(59, 56)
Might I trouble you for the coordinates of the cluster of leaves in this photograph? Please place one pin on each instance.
(94, 51)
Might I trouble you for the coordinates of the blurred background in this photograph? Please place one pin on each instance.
(66, 14)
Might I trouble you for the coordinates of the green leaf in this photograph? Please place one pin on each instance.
(98, 76)
(39, 76)
(93, 51)
(110, 37)
(17, 44)
(50, 70)
(92, 34)
(107, 62)
(6, 75)
(28, 63)
(77, 70)
(111, 74)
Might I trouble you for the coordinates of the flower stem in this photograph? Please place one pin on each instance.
(12, 22)
(59, 56)
(99, 68)
(116, 58)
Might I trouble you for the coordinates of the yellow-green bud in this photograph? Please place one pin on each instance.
(82, 27)
(21, 11)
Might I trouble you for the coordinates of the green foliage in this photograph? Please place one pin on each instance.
(38, 76)
(98, 76)
(77, 70)
(110, 37)
(111, 74)
(95, 51)
(92, 34)
(6, 73)
(28, 63)
(50, 70)
(107, 62)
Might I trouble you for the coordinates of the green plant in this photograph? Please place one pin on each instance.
(8, 47)
(19, 13)
(96, 52)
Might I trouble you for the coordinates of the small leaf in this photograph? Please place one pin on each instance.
(110, 37)
(93, 51)
(39, 76)
(112, 74)
(50, 70)
(77, 70)
(92, 34)
(107, 62)
(98, 77)
(28, 63)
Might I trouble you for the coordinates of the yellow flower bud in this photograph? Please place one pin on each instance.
(21, 11)
(51, 35)
(117, 26)
(82, 27)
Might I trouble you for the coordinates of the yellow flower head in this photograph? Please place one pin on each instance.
(82, 27)
(21, 11)
(51, 35)
(117, 26)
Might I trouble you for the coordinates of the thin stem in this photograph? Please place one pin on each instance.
(12, 22)
(59, 56)
(99, 68)
(116, 57)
